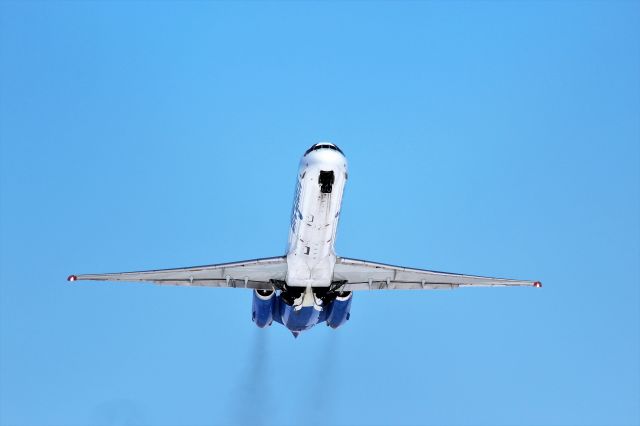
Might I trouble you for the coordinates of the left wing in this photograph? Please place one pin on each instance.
(256, 273)
(362, 275)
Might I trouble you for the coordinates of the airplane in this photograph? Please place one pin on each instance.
(310, 284)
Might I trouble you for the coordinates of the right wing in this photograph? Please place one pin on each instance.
(363, 275)
(256, 274)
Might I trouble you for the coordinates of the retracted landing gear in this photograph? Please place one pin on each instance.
(326, 180)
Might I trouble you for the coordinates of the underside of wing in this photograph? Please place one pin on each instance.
(363, 275)
(257, 273)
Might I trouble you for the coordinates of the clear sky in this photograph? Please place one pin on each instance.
(491, 138)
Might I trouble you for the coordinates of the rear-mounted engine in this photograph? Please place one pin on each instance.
(340, 310)
(263, 304)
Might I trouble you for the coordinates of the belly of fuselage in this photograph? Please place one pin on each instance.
(301, 319)
(311, 256)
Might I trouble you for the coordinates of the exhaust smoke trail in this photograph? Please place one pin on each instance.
(251, 399)
(323, 403)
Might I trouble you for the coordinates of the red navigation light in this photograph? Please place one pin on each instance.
(72, 278)
(537, 284)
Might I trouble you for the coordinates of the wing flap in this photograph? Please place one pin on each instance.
(364, 275)
(256, 273)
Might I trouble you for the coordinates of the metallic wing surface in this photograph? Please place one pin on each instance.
(256, 274)
(356, 274)
(310, 284)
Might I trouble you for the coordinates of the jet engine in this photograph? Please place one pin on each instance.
(339, 313)
(263, 304)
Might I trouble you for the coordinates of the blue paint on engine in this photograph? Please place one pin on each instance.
(276, 309)
(262, 313)
(339, 312)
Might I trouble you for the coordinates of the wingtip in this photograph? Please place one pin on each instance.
(71, 278)
(537, 284)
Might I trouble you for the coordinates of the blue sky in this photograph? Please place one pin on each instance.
(491, 138)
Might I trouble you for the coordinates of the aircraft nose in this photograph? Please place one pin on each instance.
(324, 145)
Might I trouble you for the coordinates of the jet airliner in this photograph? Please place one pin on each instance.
(310, 284)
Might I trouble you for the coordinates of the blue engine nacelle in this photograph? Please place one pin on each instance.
(263, 304)
(339, 313)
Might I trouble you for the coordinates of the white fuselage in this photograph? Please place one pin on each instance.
(314, 219)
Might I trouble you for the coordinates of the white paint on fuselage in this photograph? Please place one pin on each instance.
(314, 220)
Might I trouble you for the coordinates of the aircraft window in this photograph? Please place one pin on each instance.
(322, 145)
